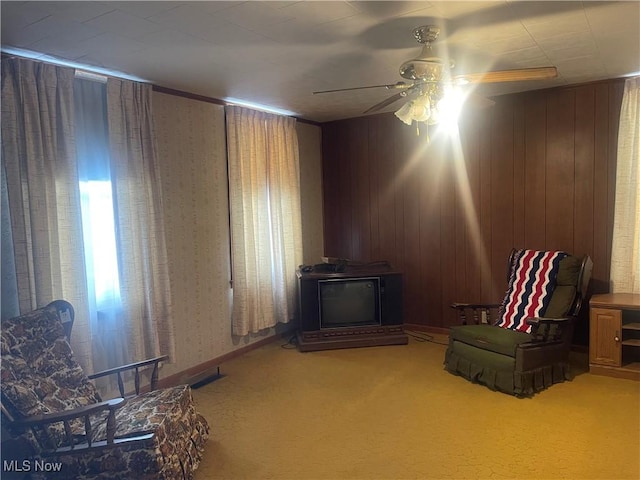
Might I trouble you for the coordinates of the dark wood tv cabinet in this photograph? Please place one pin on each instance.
(351, 337)
(315, 334)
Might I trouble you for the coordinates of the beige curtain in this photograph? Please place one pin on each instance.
(144, 283)
(39, 159)
(625, 250)
(266, 233)
(38, 154)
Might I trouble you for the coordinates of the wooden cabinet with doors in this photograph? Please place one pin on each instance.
(614, 335)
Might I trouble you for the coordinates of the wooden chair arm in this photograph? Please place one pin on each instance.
(134, 366)
(475, 305)
(539, 343)
(547, 321)
(66, 416)
(129, 366)
(541, 328)
(462, 309)
(46, 418)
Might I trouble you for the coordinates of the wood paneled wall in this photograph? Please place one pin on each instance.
(537, 170)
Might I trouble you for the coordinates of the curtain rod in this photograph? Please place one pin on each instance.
(85, 70)
(103, 77)
(216, 101)
(92, 76)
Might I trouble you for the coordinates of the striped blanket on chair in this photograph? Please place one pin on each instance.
(531, 284)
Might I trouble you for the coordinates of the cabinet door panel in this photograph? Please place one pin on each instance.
(605, 332)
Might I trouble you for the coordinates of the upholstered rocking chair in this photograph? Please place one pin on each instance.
(526, 348)
(56, 425)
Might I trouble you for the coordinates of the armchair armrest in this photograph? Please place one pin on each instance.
(475, 308)
(476, 305)
(546, 321)
(537, 323)
(83, 412)
(46, 418)
(134, 366)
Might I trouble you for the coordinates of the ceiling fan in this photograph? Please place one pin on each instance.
(430, 76)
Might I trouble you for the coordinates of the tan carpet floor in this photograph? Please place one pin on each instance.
(394, 413)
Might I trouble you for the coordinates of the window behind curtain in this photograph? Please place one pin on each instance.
(96, 196)
(266, 232)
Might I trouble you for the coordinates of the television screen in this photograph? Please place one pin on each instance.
(349, 302)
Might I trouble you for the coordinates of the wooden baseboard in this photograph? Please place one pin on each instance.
(630, 372)
(210, 367)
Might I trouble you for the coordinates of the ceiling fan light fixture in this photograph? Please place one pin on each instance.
(427, 69)
(421, 109)
(404, 113)
(431, 81)
(426, 66)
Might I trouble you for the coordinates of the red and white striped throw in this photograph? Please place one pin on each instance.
(532, 281)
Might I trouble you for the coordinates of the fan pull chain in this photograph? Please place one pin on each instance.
(428, 140)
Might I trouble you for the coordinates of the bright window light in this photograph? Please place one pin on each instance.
(100, 243)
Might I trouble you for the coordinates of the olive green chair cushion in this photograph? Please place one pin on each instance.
(491, 338)
(565, 291)
(569, 271)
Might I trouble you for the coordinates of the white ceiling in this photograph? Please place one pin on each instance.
(276, 53)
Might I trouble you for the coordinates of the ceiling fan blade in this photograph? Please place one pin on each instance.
(478, 101)
(517, 75)
(388, 101)
(392, 86)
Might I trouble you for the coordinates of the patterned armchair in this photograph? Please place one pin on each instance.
(58, 426)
